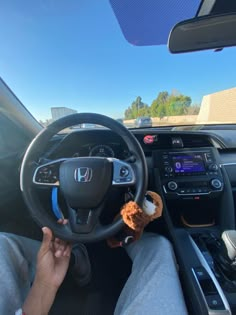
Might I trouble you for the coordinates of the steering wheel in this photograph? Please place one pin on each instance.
(83, 181)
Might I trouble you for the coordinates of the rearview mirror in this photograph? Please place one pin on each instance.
(200, 33)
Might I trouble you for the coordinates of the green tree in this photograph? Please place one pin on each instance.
(145, 111)
(161, 111)
(165, 104)
(178, 105)
(137, 108)
(162, 98)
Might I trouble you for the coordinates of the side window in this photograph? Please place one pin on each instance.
(12, 138)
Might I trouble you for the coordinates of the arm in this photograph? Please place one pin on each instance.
(39, 300)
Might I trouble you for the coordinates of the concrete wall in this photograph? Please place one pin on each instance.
(218, 107)
(171, 120)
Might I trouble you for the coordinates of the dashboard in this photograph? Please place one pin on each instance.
(106, 143)
(155, 143)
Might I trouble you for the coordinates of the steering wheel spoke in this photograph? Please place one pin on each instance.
(48, 174)
(85, 221)
(123, 173)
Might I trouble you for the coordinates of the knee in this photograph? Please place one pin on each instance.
(157, 240)
(10, 243)
(4, 238)
(158, 245)
(164, 242)
(5, 241)
(154, 245)
(151, 251)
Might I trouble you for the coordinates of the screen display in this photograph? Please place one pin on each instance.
(185, 163)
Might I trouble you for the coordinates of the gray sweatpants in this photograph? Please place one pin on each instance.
(152, 288)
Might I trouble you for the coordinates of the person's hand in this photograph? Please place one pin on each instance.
(52, 264)
(52, 260)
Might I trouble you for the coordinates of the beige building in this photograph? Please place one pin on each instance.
(219, 107)
(59, 112)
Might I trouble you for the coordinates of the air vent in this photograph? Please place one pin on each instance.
(195, 141)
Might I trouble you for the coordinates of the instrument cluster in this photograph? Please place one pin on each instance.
(114, 150)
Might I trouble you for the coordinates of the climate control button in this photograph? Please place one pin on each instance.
(213, 167)
(216, 183)
(168, 169)
(172, 186)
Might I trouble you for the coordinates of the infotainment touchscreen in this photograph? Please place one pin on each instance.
(186, 163)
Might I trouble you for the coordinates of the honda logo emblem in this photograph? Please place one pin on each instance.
(83, 174)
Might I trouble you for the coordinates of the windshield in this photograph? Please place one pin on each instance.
(62, 57)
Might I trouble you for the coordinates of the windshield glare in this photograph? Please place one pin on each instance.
(64, 57)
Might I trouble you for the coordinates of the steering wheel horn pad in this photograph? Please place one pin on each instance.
(84, 182)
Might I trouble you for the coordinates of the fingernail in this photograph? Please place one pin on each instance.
(44, 229)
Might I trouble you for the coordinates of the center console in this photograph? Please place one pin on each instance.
(198, 200)
(207, 294)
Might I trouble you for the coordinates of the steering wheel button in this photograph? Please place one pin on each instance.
(124, 171)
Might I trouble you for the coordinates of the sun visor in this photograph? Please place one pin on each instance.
(147, 23)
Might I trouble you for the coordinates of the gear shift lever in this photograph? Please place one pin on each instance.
(226, 256)
(229, 238)
(223, 252)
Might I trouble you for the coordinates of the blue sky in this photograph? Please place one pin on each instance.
(76, 56)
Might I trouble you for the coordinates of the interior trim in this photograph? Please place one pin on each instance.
(206, 7)
(227, 310)
(226, 164)
(196, 225)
